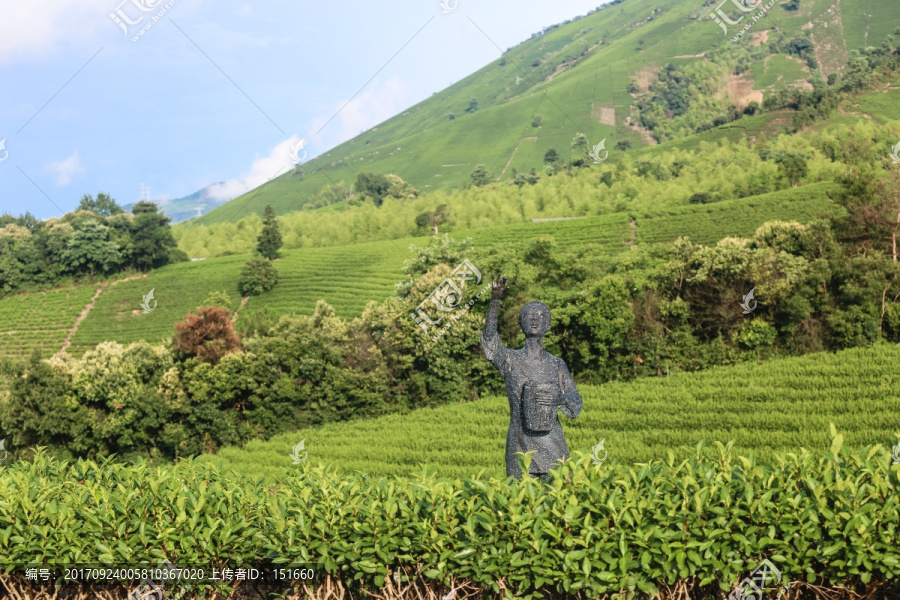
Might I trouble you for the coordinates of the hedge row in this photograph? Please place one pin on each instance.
(827, 520)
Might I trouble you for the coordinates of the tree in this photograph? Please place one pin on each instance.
(89, 248)
(551, 156)
(872, 221)
(623, 145)
(144, 206)
(374, 185)
(152, 242)
(269, 240)
(433, 220)
(38, 411)
(328, 195)
(258, 275)
(888, 198)
(580, 145)
(600, 318)
(207, 334)
(792, 166)
(473, 106)
(445, 250)
(537, 121)
(480, 176)
(103, 205)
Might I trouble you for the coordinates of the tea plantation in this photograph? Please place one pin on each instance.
(40, 320)
(663, 530)
(778, 406)
(348, 277)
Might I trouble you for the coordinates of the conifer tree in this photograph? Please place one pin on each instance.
(269, 240)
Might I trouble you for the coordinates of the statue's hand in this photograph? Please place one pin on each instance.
(499, 288)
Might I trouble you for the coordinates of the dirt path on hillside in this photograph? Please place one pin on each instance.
(243, 302)
(90, 305)
(509, 162)
(522, 138)
(644, 133)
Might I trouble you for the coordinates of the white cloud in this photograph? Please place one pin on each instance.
(375, 104)
(65, 169)
(34, 30)
(262, 170)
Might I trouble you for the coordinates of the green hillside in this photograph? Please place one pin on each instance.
(40, 320)
(781, 405)
(575, 77)
(349, 277)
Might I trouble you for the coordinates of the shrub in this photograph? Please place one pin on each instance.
(756, 334)
(440, 531)
(551, 156)
(258, 276)
(480, 176)
(220, 299)
(207, 334)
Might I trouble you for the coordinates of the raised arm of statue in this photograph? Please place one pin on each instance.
(490, 339)
(570, 399)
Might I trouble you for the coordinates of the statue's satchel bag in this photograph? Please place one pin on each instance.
(540, 404)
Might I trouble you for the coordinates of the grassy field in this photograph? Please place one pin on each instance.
(610, 233)
(778, 406)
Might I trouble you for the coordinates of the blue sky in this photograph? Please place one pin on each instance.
(220, 92)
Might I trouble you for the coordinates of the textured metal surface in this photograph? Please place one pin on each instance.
(537, 385)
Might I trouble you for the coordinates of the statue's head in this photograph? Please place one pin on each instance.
(534, 319)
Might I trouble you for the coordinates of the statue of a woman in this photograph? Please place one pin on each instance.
(537, 384)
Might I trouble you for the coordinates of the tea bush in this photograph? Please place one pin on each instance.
(825, 520)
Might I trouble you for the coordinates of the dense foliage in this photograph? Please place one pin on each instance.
(39, 253)
(827, 521)
(648, 312)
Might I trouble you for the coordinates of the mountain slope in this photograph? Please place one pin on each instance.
(188, 207)
(575, 76)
